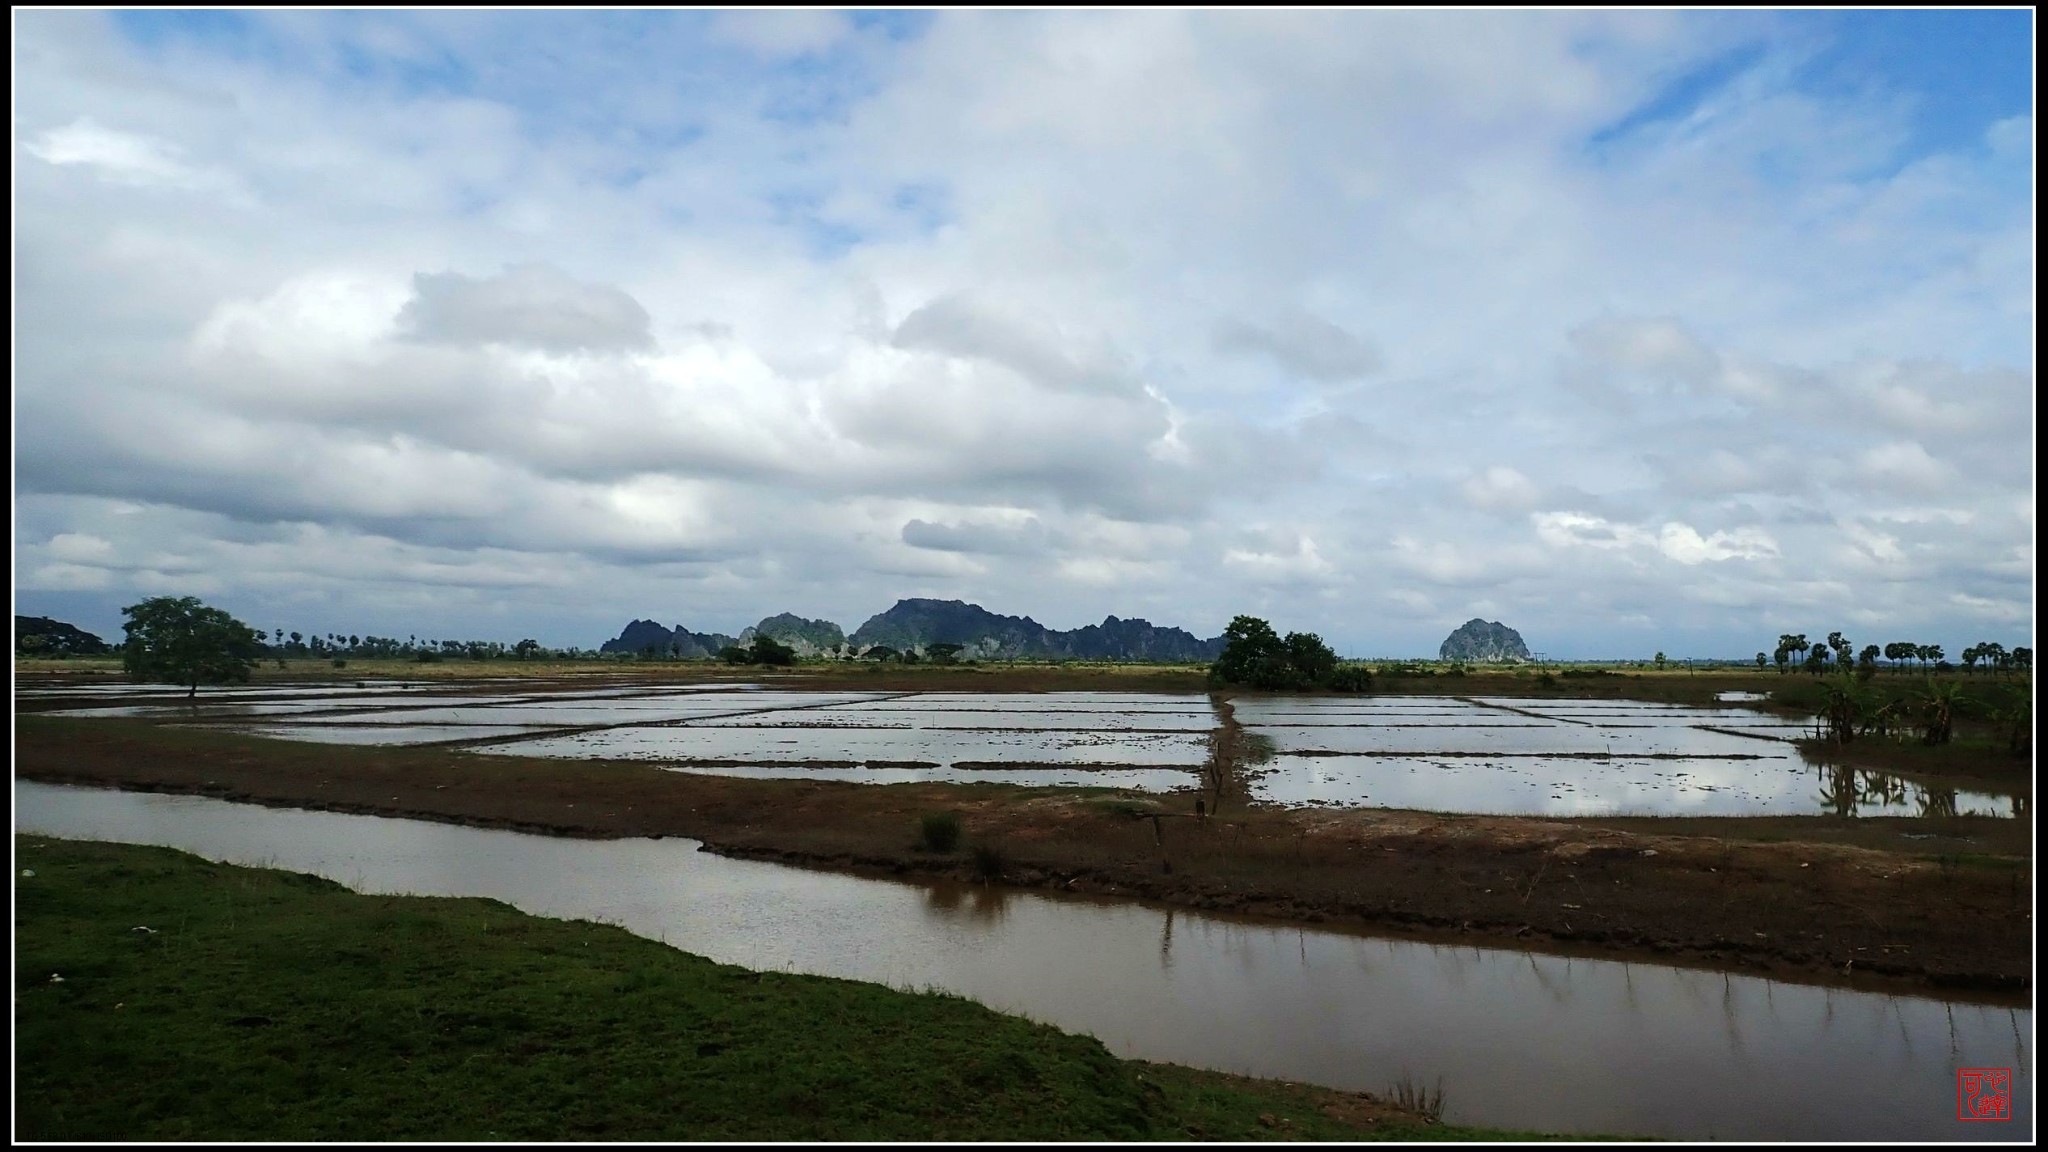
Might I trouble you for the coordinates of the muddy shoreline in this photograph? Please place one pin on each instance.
(1949, 909)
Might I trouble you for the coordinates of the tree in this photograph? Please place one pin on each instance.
(1256, 656)
(1789, 643)
(880, 652)
(526, 649)
(185, 642)
(943, 653)
(1660, 661)
(1866, 662)
(1841, 647)
(1817, 659)
(767, 651)
(1762, 661)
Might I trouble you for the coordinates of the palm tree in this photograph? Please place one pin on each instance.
(1817, 659)
(1841, 648)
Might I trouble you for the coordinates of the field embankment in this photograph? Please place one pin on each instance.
(162, 997)
(1885, 902)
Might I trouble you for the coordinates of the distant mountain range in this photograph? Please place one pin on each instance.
(916, 624)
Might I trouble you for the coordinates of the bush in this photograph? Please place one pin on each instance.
(939, 831)
(988, 861)
(1350, 678)
(340, 663)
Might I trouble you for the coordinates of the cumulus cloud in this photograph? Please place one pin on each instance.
(1302, 344)
(1011, 537)
(526, 305)
(1066, 313)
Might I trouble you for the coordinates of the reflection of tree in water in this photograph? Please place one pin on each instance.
(1881, 791)
(1847, 791)
(1936, 801)
(1838, 792)
(982, 903)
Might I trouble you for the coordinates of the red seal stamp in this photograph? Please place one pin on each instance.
(1983, 1093)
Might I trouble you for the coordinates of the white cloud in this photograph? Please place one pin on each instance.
(1304, 564)
(1683, 543)
(121, 157)
(1904, 466)
(1048, 310)
(1500, 488)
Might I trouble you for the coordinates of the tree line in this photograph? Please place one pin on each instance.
(1834, 654)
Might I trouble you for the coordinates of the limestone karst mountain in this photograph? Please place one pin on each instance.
(1481, 641)
(914, 624)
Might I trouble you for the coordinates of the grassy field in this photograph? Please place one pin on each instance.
(162, 997)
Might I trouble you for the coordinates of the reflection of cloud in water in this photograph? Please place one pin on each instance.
(1507, 755)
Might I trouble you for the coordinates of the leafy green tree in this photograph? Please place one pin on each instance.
(526, 649)
(1866, 662)
(767, 651)
(734, 654)
(1257, 657)
(943, 653)
(1762, 661)
(1252, 652)
(1312, 659)
(1660, 661)
(880, 652)
(182, 641)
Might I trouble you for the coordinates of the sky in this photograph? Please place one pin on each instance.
(1636, 331)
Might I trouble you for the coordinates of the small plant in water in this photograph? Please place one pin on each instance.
(939, 831)
(1427, 1103)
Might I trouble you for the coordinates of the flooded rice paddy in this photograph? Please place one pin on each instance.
(1517, 1039)
(1497, 755)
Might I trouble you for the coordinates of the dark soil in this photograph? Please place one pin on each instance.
(1876, 902)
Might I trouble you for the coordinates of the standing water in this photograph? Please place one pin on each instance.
(1519, 1040)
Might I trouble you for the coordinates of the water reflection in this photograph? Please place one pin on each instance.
(1519, 1039)
(1848, 791)
(968, 903)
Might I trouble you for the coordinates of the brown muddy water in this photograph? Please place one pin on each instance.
(1502, 756)
(1518, 1039)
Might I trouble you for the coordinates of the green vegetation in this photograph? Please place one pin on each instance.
(42, 636)
(1255, 656)
(763, 650)
(161, 997)
(182, 641)
(939, 831)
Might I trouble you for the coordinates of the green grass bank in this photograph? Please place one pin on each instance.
(162, 997)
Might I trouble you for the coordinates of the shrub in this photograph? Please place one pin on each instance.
(1425, 1102)
(1350, 678)
(340, 663)
(939, 831)
(988, 861)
